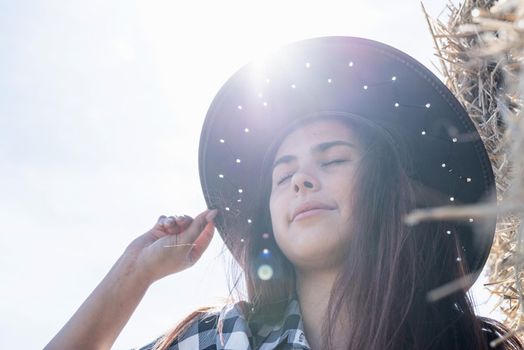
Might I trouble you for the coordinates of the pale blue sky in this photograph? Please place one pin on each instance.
(101, 105)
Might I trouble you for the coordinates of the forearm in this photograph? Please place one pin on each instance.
(100, 319)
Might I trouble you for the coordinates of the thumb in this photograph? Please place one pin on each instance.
(202, 242)
(196, 227)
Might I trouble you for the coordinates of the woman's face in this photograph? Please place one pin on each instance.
(313, 173)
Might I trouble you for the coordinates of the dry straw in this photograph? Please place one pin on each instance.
(480, 47)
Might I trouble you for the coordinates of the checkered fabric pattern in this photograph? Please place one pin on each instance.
(237, 334)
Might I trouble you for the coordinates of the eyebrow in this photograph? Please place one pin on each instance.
(321, 147)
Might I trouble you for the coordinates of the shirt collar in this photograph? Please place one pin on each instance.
(290, 331)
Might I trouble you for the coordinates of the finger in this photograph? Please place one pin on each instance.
(183, 222)
(160, 221)
(172, 224)
(195, 228)
(202, 242)
(158, 229)
(159, 225)
(210, 216)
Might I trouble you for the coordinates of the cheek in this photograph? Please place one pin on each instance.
(273, 209)
(278, 213)
(343, 192)
(345, 183)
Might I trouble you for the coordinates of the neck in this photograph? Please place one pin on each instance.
(314, 291)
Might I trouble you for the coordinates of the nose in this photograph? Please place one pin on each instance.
(304, 182)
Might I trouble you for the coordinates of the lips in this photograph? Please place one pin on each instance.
(309, 206)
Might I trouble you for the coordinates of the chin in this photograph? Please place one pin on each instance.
(315, 261)
(310, 251)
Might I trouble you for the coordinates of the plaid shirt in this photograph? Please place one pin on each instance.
(238, 335)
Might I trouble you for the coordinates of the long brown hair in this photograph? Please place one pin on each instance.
(390, 267)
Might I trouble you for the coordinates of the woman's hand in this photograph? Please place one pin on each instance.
(172, 245)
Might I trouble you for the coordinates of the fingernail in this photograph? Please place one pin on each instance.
(183, 219)
(211, 215)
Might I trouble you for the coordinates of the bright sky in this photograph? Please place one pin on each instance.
(101, 105)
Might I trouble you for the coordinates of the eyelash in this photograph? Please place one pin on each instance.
(336, 161)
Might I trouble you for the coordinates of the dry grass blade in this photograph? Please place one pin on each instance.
(450, 288)
(503, 338)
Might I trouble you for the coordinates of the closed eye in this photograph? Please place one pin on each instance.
(336, 161)
(332, 162)
(284, 179)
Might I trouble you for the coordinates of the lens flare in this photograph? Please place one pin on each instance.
(265, 272)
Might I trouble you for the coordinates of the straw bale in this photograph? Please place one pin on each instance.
(480, 48)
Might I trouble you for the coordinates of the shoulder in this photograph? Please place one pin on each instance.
(205, 328)
(196, 331)
(199, 334)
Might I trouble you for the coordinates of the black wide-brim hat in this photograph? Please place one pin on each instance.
(356, 76)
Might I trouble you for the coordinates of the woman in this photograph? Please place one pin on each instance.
(312, 163)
